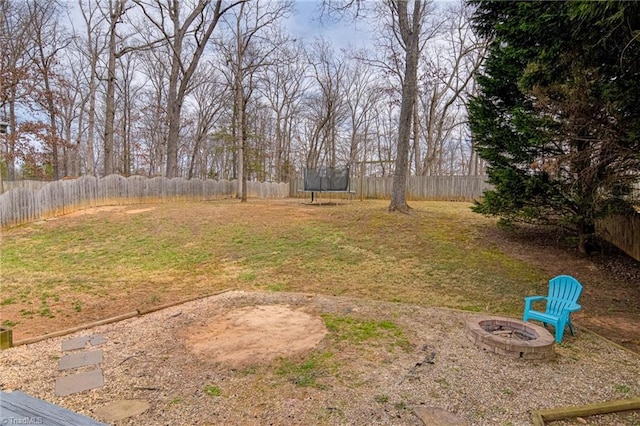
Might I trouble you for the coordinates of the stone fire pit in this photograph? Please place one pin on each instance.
(511, 337)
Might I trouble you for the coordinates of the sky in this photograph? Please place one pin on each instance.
(305, 25)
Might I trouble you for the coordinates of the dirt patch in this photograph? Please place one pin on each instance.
(105, 209)
(137, 211)
(95, 210)
(255, 334)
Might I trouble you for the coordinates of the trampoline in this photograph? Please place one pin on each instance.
(326, 180)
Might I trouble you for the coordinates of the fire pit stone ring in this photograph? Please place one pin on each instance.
(511, 337)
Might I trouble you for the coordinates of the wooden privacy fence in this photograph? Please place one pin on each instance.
(623, 231)
(24, 205)
(29, 184)
(457, 188)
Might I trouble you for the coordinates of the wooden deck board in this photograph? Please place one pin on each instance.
(19, 408)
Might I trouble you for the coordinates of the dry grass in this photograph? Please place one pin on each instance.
(97, 264)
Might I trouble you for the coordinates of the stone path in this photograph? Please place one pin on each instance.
(80, 381)
(81, 359)
(122, 409)
(84, 363)
(434, 416)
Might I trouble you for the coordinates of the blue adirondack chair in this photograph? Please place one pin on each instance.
(560, 302)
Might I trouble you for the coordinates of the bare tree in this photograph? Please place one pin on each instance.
(362, 92)
(385, 124)
(282, 86)
(220, 148)
(71, 102)
(406, 22)
(249, 51)
(116, 9)
(129, 112)
(208, 99)
(326, 106)
(153, 123)
(409, 23)
(92, 45)
(49, 41)
(15, 69)
(448, 75)
(187, 28)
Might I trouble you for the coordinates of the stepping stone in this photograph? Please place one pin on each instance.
(20, 408)
(75, 343)
(97, 340)
(81, 341)
(79, 382)
(434, 416)
(121, 409)
(80, 359)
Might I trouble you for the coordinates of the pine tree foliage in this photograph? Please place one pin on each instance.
(558, 114)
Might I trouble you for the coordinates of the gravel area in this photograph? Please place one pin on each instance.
(346, 379)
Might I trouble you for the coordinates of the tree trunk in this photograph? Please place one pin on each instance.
(586, 230)
(115, 13)
(126, 128)
(279, 144)
(240, 138)
(194, 153)
(417, 151)
(174, 103)
(172, 139)
(91, 120)
(11, 140)
(410, 35)
(53, 131)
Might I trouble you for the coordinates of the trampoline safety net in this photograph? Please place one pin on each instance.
(326, 179)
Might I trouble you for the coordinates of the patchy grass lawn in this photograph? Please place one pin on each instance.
(103, 262)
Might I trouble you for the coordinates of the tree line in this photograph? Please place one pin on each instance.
(221, 89)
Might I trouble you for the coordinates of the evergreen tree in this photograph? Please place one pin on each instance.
(558, 114)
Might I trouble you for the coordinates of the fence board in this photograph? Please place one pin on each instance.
(136, 189)
(623, 231)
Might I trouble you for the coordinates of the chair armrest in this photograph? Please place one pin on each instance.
(529, 299)
(572, 307)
